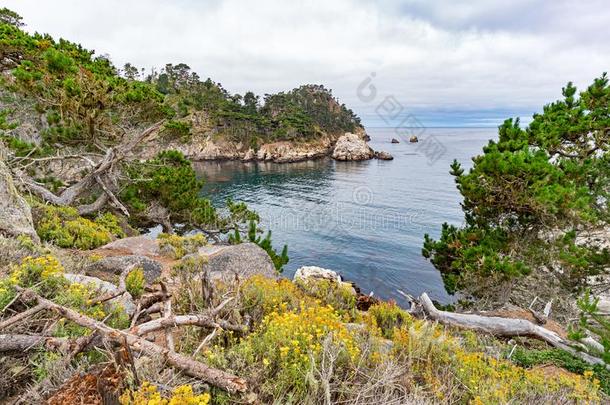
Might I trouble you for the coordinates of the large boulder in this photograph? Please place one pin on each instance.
(15, 213)
(124, 300)
(308, 274)
(352, 147)
(111, 266)
(315, 272)
(243, 260)
(135, 245)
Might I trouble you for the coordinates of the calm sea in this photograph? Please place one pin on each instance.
(365, 220)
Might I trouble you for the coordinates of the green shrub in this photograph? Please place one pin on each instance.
(387, 316)
(177, 130)
(179, 246)
(65, 228)
(532, 357)
(341, 296)
(135, 282)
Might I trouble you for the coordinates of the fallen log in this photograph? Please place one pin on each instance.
(23, 343)
(193, 368)
(21, 316)
(507, 327)
(203, 320)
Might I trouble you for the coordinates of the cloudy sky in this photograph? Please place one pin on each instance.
(446, 62)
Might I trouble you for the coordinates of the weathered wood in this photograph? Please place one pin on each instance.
(167, 313)
(213, 376)
(203, 320)
(508, 327)
(101, 171)
(20, 316)
(22, 343)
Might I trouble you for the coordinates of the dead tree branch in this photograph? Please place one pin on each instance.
(20, 316)
(213, 376)
(508, 327)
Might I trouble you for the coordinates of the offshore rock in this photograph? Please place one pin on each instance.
(383, 155)
(352, 147)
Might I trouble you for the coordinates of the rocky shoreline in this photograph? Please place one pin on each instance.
(345, 147)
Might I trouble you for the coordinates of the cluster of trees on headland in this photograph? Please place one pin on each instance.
(87, 99)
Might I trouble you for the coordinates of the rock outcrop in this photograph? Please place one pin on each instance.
(15, 213)
(135, 245)
(383, 155)
(242, 260)
(124, 300)
(109, 267)
(206, 143)
(312, 273)
(315, 272)
(394, 140)
(352, 147)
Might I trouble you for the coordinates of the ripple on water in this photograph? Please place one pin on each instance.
(364, 219)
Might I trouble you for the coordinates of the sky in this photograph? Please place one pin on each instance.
(395, 63)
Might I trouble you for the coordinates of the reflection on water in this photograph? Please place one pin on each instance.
(365, 220)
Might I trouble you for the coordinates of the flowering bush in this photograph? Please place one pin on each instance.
(179, 246)
(135, 282)
(288, 344)
(340, 295)
(148, 394)
(262, 296)
(439, 359)
(64, 227)
(386, 317)
(493, 381)
(43, 273)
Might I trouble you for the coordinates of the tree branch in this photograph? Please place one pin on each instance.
(509, 327)
(213, 376)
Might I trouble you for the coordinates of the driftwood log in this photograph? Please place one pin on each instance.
(213, 376)
(509, 327)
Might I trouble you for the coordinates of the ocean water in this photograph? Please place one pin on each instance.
(365, 220)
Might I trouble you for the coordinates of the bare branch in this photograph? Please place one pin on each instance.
(216, 377)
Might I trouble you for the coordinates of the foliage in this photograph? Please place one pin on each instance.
(181, 245)
(593, 322)
(388, 317)
(44, 275)
(528, 192)
(65, 228)
(286, 345)
(177, 129)
(10, 17)
(148, 394)
(341, 296)
(533, 357)
(262, 296)
(279, 260)
(300, 343)
(135, 282)
(169, 180)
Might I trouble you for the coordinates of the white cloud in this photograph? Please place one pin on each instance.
(439, 58)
